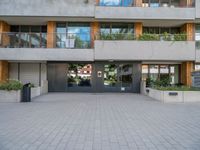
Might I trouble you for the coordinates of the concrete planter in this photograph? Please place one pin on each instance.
(174, 96)
(10, 96)
(36, 91)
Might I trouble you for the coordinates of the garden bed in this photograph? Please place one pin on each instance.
(177, 96)
(10, 96)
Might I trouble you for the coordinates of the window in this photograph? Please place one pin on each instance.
(161, 3)
(73, 35)
(197, 36)
(116, 3)
(117, 28)
(154, 3)
(161, 72)
(28, 36)
(197, 67)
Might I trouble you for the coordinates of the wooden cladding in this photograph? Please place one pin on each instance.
(138, 29)
(95, 28)
(4, 39)
(51, 36)
(138, 3)
(189, 30)
(186, 70)
(3, 71)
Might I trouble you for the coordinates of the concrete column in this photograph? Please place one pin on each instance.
(4, 41)
(189, 29)
(4, 38)
(138, 29)
(51, 35)
(186, 70)
(3, 71)
(138, 3)
(95, 28)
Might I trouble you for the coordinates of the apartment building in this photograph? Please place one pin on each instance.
(99, 45)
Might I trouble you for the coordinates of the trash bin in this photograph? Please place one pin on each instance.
(26, 93)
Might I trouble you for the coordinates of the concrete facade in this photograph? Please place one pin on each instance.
(145, 50)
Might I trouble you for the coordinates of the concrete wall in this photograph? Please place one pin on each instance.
(28, 72)
(42, 54)
(145, 50)
(47, 8)
(198, 56)
(197, 3)
(144, 13)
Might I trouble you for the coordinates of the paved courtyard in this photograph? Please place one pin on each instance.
(99, 122)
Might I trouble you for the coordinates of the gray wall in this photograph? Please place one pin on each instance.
(42, 54)
(144, 13)
(145, 50)
(28, 72)
(198, 56)
(197, 9)
(47, 8)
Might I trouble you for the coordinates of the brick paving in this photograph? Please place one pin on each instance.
(83, 121)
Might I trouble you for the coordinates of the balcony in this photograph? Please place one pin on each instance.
(33, 46)
(145, 47)
(147, 10)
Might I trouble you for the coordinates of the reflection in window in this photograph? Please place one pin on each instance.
(73, 35)
(116, 2)
(197, 67)
(197, 36)
(154, 70)
(110, 75)
(125, 75)
(154, 3)
(145, 71)
(117, 28)
(174, 74)
(79, 75)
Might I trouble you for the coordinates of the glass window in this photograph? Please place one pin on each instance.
(175, 3)
(105, 28)
(79, 34)
(110, 75)
(125, 75)
(197, 67)
(174, 74)
(116, 2)
(145, 71)
(197, 36)
(165, 3)
(154, 70)
(154, 3)
(78, 76)
(25, 28)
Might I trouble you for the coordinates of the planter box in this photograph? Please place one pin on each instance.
(10, 96)
(174, 96)
(36, 91)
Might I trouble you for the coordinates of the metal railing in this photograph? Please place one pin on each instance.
(143, 37)
(44, 40)
(130, 3)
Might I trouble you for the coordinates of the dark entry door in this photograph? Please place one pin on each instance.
(56, 75)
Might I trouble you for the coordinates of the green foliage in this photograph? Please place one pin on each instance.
(162, 82)
(11, 85)
(166, 36)
(180, 37)
(149, 37)
(116, 36)
(177, 88)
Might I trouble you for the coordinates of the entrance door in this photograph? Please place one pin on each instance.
(118, 77)
(57, 77)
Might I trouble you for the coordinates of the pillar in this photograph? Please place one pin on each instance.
(138, 3)
(51, 34)
(95, 28)
(138, 29)
(186, 69)
(189, 29)
(3, 71)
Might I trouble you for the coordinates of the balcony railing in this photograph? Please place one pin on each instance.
(44, 40)
(143, 37)
(23, 40)
(130, 3)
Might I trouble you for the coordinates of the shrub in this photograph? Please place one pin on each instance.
(149, 37)
(11, 85)
(180, 37)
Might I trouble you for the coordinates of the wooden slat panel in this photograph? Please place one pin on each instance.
(95, 28)
(138, 29)
(186, 70)
(3, 71)
(51, 36)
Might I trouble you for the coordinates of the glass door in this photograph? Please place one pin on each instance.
(118, 77)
